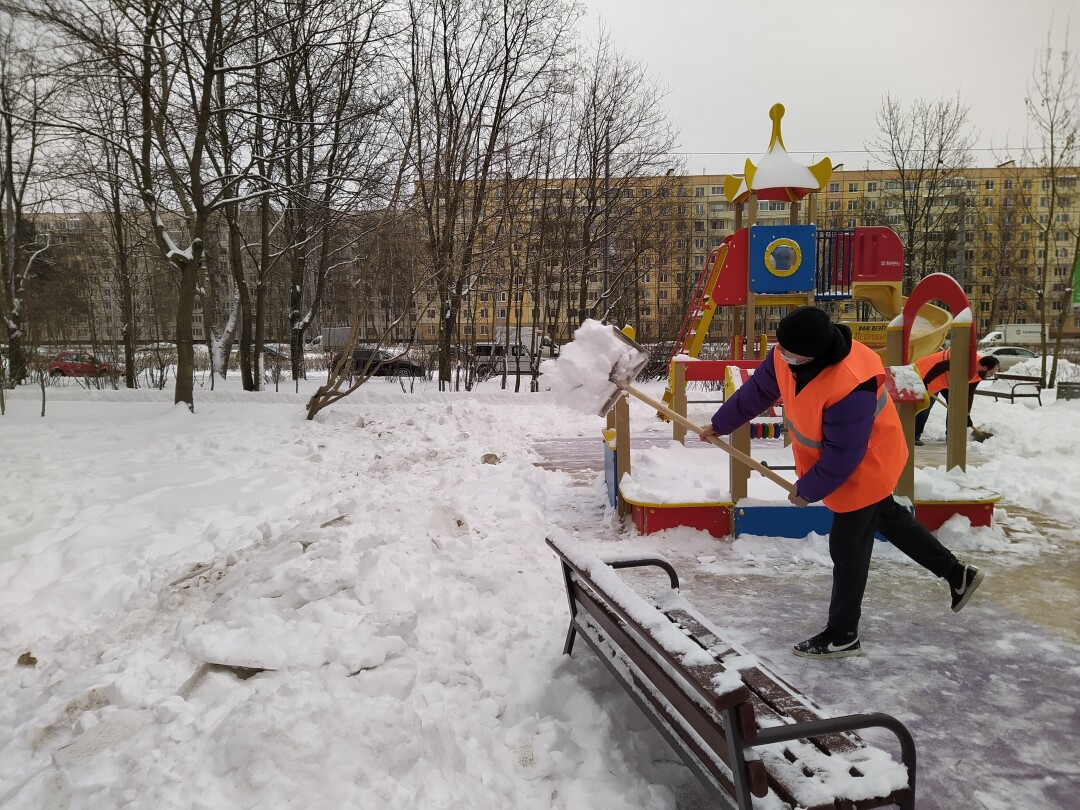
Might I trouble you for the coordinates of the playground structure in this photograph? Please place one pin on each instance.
(791, 265)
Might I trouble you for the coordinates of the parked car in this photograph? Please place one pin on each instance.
(81, 364)
(1008, 356)
(382, 364)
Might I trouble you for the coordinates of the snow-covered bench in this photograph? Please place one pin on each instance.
(741, 730)
(1014, 386)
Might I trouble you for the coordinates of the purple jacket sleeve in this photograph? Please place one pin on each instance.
(846, 428)
(751, 399)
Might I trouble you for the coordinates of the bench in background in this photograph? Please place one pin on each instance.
(1068, 390)
(1016, 386)
(740, 729)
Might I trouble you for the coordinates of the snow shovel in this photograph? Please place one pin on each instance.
(626, 370)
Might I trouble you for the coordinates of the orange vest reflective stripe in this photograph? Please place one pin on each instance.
(941, 382)
(880, 469)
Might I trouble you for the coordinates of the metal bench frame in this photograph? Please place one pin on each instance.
(1019, 388)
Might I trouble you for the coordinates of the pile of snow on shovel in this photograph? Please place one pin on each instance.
(580, 377)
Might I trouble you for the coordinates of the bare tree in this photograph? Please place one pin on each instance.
(925, 146)
(619, 134)
(474, 66)
(1053, 105)
(167, 56)
(26, 90)
(337, 155)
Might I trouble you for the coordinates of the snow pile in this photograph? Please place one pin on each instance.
(580, 377)
(238, 608)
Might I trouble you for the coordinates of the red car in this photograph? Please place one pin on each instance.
(81, 364)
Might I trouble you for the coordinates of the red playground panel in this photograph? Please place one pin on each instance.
(933, 515)
(712, 518)
(879, 255)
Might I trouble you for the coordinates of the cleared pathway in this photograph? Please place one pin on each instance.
(991, 694)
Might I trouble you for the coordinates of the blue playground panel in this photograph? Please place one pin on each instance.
(783, 520)
(782, 258)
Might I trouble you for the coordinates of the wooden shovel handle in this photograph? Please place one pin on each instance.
(686, 423)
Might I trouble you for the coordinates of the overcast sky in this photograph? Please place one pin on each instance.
(829, 62)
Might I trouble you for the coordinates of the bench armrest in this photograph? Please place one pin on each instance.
(618, 562)
(850, 722)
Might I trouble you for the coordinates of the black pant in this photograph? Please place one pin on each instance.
(924, 414)
(851, 543)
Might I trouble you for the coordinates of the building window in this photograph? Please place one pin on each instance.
(699, 243)
(717, 190)
(871, 186)
(699, 226)
(715, 224)
(834, 188)
(852, 188)
(989, 185)
(852, 205)
(699, 191)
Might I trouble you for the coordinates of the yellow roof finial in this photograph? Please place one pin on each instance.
(776, 112)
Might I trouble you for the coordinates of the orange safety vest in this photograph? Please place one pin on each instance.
(941, 381)
(886, 453)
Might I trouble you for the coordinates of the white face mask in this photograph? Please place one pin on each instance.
(792, 361)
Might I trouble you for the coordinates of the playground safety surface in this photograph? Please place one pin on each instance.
(991, 694)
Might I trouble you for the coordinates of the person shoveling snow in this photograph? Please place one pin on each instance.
(849, 451)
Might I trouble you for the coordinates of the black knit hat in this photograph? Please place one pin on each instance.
(807, 331)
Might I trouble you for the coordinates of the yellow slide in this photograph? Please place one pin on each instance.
(930, 329)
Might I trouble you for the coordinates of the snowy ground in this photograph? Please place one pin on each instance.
(238, 608)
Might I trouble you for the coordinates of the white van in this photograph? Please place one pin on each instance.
(491, 359)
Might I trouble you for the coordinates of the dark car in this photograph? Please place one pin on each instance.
(81, 364)
(382, 364)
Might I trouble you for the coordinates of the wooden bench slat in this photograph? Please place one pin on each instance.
(780, 697)
(698, 718)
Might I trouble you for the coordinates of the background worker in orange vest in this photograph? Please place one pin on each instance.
(849, 452)
(934, 370)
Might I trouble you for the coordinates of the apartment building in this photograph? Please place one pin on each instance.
(990, 228)
(984, 226)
